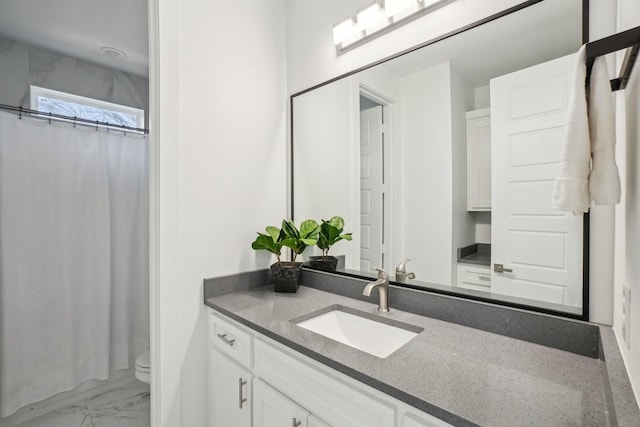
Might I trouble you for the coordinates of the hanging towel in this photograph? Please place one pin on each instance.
(604, 181)
(571, 190)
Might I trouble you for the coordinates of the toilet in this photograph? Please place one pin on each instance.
(143, 367)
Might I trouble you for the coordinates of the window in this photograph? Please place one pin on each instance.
(52, 101)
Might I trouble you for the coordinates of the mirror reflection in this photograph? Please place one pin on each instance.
(442, 161)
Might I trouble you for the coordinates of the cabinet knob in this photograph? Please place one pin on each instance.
(295, 423)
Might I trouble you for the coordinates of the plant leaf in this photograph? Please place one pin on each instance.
(264, 242)
(289, 229)
(337, 222)
(274, 232)
(309, 228)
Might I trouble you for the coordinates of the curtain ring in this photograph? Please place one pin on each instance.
(20, 115)
(49, 117)
(96, 125)
(74, 121)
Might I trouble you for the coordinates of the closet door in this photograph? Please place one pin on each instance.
(539, 248)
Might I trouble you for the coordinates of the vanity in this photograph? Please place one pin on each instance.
(267, 369)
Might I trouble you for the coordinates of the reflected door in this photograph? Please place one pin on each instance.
(371, 189)
(542, 246)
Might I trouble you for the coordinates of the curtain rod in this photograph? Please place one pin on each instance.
(20, 111)
(630, 40)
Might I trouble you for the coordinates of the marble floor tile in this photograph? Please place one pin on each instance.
(124, 406)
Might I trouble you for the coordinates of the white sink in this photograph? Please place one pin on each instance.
(351, 327)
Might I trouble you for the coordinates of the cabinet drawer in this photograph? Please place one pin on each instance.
(337, 400)
(228, 337)
(474, 277)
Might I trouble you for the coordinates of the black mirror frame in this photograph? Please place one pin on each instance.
(584, 316)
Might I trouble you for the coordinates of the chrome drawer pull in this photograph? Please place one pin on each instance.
(295, 423)
(241, 399)
(484, 278)
(224, 338)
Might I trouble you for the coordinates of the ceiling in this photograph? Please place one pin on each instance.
(541, 32)
(81, 28)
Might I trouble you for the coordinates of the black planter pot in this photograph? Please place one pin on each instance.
(286, 276)
(329, 263)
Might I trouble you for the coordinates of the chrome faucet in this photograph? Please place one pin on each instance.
(401, 272)
(383, 290)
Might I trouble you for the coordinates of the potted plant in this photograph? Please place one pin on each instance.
(330, 234)
(285, 275)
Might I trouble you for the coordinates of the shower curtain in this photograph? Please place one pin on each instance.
(73, 256)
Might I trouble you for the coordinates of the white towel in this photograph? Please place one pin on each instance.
(588, 171)
(571, 191)
(604, 181)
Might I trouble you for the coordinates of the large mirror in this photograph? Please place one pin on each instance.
(447, 156)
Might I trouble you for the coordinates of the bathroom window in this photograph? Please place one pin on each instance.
(53, 101)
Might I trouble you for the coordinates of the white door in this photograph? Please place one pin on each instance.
(230, 387)
(371, 189)
(273, 409)
(542, 246)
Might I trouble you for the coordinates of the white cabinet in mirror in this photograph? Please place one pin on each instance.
(438, 167)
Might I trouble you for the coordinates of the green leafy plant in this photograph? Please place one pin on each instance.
(271, 242)
(331, 233)
(288, 236)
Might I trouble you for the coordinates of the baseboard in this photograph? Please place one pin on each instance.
(60, 400)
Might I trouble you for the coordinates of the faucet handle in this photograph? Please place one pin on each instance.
(401, 267)
(381, 273)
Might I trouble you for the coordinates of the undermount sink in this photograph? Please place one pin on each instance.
(373, 334)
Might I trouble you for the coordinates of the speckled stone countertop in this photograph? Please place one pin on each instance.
(478, 253)
(462, 375)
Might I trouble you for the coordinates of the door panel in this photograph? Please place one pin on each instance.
(371, 189)
(542, 246)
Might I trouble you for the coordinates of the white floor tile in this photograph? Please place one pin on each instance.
(125, 406)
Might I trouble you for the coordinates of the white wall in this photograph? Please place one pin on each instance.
(627, 245)
(426, 232)
(327, 146)
(218, 165)
(463, 221)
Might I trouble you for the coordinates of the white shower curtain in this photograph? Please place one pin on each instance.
(73, 256)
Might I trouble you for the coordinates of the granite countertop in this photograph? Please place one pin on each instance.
(478, 253)
(462, 375)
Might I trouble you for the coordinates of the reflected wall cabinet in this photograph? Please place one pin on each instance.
(479, 160)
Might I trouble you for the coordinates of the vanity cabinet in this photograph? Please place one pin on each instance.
(282, 387)
(474, 276)
(479, 160)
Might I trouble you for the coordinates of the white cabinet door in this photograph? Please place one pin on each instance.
(230, 391)
(541, 247)
(479, 160)
(273, 409)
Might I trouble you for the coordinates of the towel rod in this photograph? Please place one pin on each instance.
(630, 40)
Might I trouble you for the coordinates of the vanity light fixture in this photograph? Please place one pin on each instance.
(370, 17)
(395, 7)
(344, 31)
(378, 18)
